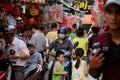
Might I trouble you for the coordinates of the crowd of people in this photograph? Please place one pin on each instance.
(69, 55)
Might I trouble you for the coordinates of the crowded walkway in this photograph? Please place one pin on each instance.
(37, 50)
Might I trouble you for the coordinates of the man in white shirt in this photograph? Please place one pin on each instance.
(19, 55)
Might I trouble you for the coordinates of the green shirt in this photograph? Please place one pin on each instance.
(59, 69)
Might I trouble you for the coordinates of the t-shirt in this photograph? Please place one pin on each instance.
(82, 43)
(39, 41)
(34, 59)
(111, 67)
(72, 36)
(51, 36)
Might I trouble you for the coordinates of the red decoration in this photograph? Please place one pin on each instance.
(34, 10)
(12, 5)
(17, 11)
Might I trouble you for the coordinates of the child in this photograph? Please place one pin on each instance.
(58, 69)
(79, 66)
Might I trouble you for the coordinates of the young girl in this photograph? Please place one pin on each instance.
(58, 69)
(79, 66)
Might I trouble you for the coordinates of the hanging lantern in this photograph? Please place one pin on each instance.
(34, 10)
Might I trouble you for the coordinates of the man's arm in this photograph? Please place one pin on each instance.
(51, 46)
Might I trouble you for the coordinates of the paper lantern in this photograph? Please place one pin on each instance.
(34, 10)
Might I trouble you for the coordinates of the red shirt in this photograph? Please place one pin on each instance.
(111, 67)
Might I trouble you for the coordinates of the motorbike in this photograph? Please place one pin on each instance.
(5, 67)
(35, 72)
(67, 62)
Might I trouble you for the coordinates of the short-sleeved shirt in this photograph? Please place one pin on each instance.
(111, 67)
(39, 41)
(34, 59)
(51, 36)
(19, 46)
(82, 43)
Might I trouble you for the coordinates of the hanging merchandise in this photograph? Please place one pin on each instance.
(98, 12)
(53, 13)
(34, 10)
(87, 19)
(16, 11)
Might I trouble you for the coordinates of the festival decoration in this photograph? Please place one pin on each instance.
(16, 11)
(34, 10)
(53, 13)
(97, 11)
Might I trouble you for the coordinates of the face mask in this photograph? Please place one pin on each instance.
(61, 36)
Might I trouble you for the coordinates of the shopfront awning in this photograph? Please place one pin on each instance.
(66, 9)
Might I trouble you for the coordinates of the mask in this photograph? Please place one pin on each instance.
(61, 36)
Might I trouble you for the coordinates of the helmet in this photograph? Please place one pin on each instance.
(9, 33)
(62, 30)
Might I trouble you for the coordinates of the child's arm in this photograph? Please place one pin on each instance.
(55, 71)
(86, 69)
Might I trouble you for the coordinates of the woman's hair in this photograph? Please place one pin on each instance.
(79, 53)
(54, 25)
(80, 32)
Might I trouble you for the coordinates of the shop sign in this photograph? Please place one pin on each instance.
(81, 5)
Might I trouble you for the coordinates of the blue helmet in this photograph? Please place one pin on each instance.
(62, 30)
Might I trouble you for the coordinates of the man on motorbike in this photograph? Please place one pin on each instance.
(61, 43)
(18, 53)
(33, 61)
